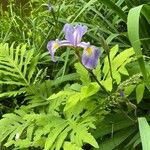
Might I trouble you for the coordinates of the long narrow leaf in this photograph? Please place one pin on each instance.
(134, 36)
(84, 8)
(144, 133)
(115, 8)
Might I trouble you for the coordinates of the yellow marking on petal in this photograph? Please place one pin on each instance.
(89, 50)
(55, 46)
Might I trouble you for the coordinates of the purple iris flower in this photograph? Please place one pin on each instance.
(73, 36)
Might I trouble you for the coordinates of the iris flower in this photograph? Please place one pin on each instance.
(73, 36)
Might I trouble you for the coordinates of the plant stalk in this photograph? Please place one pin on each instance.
(90, 71)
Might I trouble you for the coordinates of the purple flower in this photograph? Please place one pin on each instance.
(73, 36)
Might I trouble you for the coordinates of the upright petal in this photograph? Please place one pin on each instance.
(68, 30)
(90, 57)
(74, 34)
(79, 31)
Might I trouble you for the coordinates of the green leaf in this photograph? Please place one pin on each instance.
(11, 142)
(121, 58)
(65, 78)
(134, 36)
(115, 8)
(117, 76)
(30, 131)
(140, 92)
(107, 84)
(61, 138)
(113, 52)
(83, 73)
(32, 67)
(79, 133)
(84, 8)
(144, 133)
(86, 91)
(117, 122)
(133, 140)
(123, 70)
(72, 101)
(91, 89)
(17, 65)
(97, 71)
(117, 139)
(118, 62)
(129, 89)
(111, 37)
(54, 134)
(11, 93)
(88, 138)
(66, 60)
(23, 143)
(70, 146)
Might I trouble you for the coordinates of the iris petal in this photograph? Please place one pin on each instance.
(90, 57)
(74, 34)
(68, 30)
(79, 31)
(52, 46)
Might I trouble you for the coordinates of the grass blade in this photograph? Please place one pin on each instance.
(115, 8)
(144, 133)
(134, 36)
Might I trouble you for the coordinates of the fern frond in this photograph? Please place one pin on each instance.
(26, 130)
(54, 125)
(11, 93)
(37, 94)
(118, 66)
(17, 64)
(71, 146)
(83, 73)
(118, 62)
(86, 91)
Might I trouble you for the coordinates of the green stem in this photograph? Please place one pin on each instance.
(90, 71)
(95, 78)
(106, 48)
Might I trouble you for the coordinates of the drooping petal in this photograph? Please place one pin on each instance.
(90, 57)
(74, 34)
(84, 45)
(52, 46)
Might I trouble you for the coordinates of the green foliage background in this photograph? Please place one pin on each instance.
(54, 106)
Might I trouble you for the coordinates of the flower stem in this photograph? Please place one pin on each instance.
(90, 71)
(95, 78)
